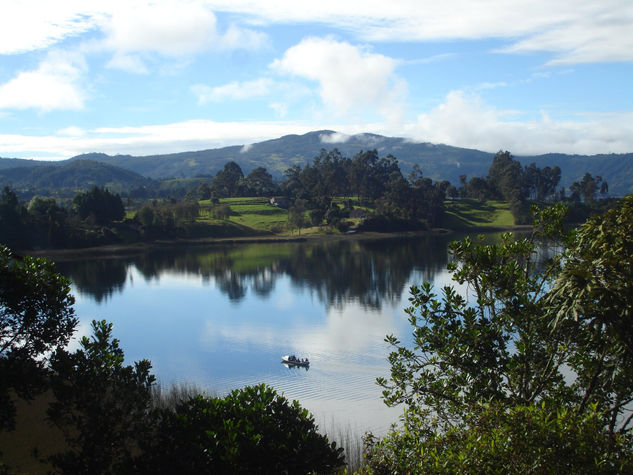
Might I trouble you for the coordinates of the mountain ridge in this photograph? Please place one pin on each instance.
(437, 161)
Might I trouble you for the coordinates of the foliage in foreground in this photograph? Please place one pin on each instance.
(101, 405)
(533, 439)
(111, 424)
(252, 430)
(540, 347)
(36, 317)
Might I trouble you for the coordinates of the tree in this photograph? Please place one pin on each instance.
(101, 406)
(36, 317)
(510, 345)
(229, 181)
(99, 206)
(48, 221)
(587, 188)
(260, 183)
(252, 430)
(221, 211)
(494, 350)
(204, 191)
(296, 215)
(594, 294)
(505, 177)
(11, 219)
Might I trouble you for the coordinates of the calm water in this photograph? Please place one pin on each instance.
(222, 316)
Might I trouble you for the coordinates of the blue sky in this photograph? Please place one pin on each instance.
(145, 77)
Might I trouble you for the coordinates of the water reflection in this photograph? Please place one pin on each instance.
(222, 316)
(370, 272)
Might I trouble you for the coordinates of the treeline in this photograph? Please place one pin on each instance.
(521, 186)
(92, 218)
(372, 181)
(44, 223)
(379, 183)
(329, 190)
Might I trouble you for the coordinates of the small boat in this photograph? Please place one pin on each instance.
(292, 360)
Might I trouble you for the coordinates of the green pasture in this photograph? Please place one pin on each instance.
(469, 213)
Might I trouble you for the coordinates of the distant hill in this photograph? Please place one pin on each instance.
(440, 162)
(70, 176)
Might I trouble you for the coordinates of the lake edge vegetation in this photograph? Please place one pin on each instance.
(332, 194)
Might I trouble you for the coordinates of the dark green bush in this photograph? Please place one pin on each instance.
(252, 430)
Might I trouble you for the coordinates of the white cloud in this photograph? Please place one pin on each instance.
(128, 62)
(466, 121)
(242, 38)
(234, 90)
(462, 120)
(575, 30)
(146, 140)
(72, 131)
(280, 109)
(607, 38)
(335, 137)
(351, 78)
(54, 85)
(169, 28)
(27, 25)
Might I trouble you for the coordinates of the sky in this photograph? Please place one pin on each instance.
(146, 77)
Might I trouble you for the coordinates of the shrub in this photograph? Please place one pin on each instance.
(252, 430)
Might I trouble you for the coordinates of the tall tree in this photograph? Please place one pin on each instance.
(229, 181)
(505, 177)
(587, 188)
(99, 205)
(12, 215)
(260, 183)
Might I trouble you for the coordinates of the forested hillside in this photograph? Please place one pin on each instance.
(71, 176)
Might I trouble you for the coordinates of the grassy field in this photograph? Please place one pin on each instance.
(254, 213)
(251, 216)
(469, 213)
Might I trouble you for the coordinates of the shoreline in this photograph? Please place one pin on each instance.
(116, 250)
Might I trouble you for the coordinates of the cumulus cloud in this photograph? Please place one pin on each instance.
(54, 85)
(351, 78)
(169, 28)
(173, 29)
(466, 120)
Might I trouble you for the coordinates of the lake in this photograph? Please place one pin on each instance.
(222, 316)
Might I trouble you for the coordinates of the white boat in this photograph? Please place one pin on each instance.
(294, 361)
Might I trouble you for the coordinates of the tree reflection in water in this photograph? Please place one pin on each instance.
(367, 271)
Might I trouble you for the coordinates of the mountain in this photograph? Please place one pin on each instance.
(440, 162)
(71, 176)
